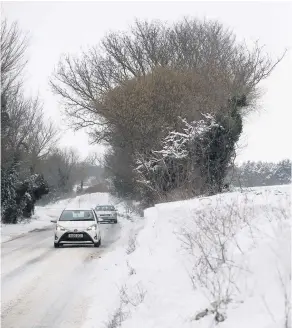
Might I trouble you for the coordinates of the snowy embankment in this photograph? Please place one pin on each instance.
(214, 260)
(43, 214)
(189, 264)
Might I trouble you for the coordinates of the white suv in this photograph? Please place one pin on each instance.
(77, 226)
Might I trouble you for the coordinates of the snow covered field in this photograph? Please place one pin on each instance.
(190, 264)
(195, 263)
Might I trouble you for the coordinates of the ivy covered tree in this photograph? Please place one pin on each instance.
(195, 158)
(10, 212)
(130, 90)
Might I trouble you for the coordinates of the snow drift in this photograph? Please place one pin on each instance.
(215, 260)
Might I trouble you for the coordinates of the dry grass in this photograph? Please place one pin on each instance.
(131, 244)
(117, 318)
(132, 298)
(209, 240)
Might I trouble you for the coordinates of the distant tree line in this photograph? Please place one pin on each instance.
(168, 100)
(253, 174)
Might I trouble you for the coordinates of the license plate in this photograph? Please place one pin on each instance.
(75, 235)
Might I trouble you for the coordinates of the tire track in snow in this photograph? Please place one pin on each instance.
(27, 241)
(26, 266)
(45, 300)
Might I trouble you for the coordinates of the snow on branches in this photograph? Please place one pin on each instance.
(168, 166)
(176, 144)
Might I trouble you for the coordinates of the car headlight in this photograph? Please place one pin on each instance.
(93, 227)
(60, 228)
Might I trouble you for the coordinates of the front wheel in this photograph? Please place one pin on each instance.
(98, 243)
(56, 245)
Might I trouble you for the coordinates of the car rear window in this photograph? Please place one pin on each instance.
(105, 208)
(77, 215)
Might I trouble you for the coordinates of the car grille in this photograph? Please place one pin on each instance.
(85, 237)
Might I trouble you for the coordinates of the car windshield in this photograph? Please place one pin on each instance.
(105, 208)
(77, 215)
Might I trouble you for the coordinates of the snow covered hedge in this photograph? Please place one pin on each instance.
(194, 158)
(18, 197)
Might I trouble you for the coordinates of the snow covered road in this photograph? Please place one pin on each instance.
(43, 287)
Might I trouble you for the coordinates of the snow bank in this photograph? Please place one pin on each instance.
(112, 270)
(195, 263)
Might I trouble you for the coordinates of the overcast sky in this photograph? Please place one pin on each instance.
(66, 27)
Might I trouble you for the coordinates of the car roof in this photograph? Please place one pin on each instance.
(105, 205)
(78, 209)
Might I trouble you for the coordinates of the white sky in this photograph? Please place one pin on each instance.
(64, 27)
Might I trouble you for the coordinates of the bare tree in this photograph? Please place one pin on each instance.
(13, 46)
(27, 128)
(24, 133)
(191, 45)
(59, 169)
(131, 89)
(26, 137)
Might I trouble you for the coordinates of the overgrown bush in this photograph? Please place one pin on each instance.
(131, 90)
(18, 197)
(194, 159)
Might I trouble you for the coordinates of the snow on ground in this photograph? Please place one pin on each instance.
(43, 214)
(53, 287)
(197, 262)
(187, 262)
(112, 270)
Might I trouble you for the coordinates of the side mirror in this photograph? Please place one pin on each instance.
(54, 221)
